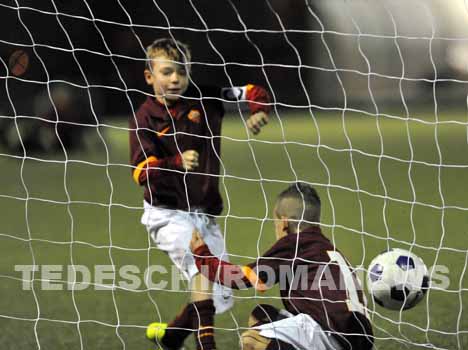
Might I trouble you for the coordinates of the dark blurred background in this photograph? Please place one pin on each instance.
(111, 51)
(89, 55)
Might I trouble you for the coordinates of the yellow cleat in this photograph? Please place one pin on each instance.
(155, 331)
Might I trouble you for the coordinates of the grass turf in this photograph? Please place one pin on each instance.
(381, 185)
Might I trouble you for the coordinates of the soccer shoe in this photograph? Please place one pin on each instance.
(155, 332)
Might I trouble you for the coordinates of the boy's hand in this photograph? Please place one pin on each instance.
(197, 241)
(257, 121)
(190, 159)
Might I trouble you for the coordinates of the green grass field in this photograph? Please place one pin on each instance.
(381, 184)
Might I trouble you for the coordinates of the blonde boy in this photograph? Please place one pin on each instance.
(175, 154)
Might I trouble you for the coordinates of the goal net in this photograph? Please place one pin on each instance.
(369, 106)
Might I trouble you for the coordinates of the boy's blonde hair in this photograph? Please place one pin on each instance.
(173, 49)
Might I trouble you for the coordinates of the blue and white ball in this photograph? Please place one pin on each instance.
(397, 279)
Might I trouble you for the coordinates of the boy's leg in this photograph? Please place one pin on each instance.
(172, 335)
(197, 317)
(252, 340)
(301, 331)
(214, 239)
(172, 231)
(208, 298)
(204, 312)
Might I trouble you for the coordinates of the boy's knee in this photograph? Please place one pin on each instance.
(201, 288)
(252, 340)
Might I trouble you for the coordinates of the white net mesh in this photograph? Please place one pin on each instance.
(369, 106)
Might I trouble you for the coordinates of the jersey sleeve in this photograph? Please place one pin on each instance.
(225, 273)
(256, 96)
(260, 274)
(268, 266)
(144, 156)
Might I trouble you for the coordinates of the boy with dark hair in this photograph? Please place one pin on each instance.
(175, 154)
(328, 314)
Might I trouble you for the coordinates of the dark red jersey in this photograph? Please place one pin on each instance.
(314, 279)
(160, 134)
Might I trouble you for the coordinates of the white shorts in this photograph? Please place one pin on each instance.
(301, 331)
(171, 230)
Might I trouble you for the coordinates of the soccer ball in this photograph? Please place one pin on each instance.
(397, 279)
